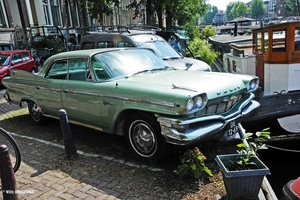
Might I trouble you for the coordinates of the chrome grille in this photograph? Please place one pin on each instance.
(222, 106)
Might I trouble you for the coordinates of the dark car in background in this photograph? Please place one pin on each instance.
(16, 59)
(143, 39)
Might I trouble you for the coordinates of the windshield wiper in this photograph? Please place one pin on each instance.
(171, 58)
(139, 72)
(160, 69)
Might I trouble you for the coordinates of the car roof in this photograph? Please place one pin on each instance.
(146, 37)
(91, 37)
(84, 53)
(130, 35)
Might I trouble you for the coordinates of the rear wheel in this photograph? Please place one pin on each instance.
(143, 137)
(35, 113)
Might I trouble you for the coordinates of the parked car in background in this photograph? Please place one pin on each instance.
(133, 93)
(143, 39)
(16, 59)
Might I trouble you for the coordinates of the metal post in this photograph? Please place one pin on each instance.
(8, 180)
(70, 148)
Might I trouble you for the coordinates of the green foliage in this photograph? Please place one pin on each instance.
(292, 7)
(193, 163)
(209, 31)
(96, 8)
(257, 9)
(186, 11)
(241, 9)
(210, 14)
(236, 9)
(51, 41)
(249, 148)
(191, 31)
(203, 49)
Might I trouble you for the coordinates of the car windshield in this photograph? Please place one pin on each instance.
(125, 63)
(162, 49)
(4, 59)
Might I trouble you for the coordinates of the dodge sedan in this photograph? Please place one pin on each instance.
(133, 93)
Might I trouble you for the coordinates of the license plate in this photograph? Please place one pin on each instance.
(232, 128)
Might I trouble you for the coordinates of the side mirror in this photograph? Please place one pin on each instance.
(198, 57)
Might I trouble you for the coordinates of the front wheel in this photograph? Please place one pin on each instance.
(143, 137)
(35, 113)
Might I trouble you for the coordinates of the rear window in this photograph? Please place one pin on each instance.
(105, 44)
(124, 44)
(88, 45)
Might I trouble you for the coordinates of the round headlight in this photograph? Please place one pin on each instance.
(253, 85)
(190, 105)
(198, 101)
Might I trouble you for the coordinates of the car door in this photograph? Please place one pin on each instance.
(17, 62)
(80, 96)
(27, 63)
(48, 88)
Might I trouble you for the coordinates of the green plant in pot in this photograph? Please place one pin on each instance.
(243, 172)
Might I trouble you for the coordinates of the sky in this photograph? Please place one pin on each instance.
(222, 4)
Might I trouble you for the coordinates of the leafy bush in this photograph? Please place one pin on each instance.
(193, 163)
(209, 31)
(201, 48)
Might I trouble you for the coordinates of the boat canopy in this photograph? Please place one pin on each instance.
(278, 43)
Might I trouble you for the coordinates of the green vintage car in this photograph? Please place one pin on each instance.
(133, 93)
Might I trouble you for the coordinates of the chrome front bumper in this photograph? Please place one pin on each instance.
(207, 127)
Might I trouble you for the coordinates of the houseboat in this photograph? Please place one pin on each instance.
(273, 55)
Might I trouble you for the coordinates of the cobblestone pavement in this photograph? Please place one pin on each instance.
(104, 169)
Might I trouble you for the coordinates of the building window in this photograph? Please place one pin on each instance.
(47, 12)
(77, 14)
(58, 12)
(69, 13)
(3, 18)
(233, 70)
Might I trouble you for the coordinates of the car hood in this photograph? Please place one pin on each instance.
(184, 83)
(181, 63)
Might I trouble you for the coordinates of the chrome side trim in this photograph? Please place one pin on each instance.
(160, 103)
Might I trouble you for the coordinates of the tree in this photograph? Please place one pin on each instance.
(292, 7)
(236, 9)
(228, 10)
(257, 9)
(241, 9)
(96, 8)
(184, 11)
(210, 14)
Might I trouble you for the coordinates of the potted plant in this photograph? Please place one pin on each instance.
(243, 172)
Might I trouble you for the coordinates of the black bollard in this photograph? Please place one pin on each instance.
(8, 180)
(71, 153)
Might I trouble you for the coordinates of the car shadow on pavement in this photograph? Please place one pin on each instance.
(105, 167)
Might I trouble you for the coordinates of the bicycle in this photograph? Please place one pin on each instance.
(14, 150)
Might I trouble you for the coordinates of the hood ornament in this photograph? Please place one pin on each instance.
(183, 88)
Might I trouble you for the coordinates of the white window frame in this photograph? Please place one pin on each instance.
(77, 14)
(57, 6)
(3, 17)
(69, 15)
(47, 12)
